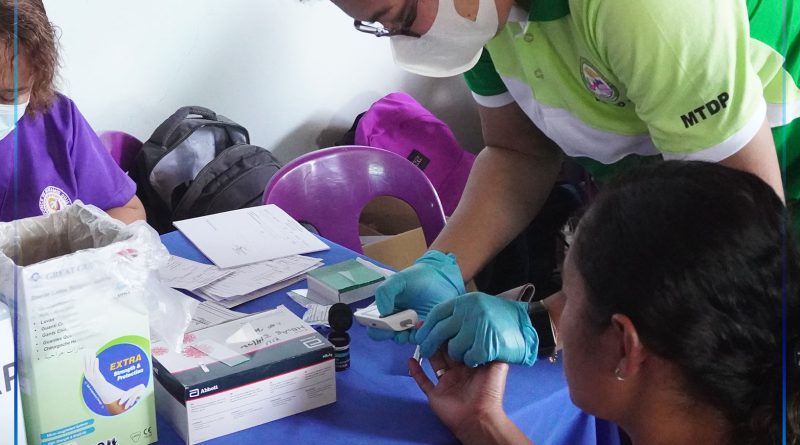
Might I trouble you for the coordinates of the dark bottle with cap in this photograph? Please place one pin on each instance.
(340, 319)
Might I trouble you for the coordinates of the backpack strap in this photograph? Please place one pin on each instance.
(168, 127)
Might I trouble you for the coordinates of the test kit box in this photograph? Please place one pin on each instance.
(80, 281)
(345, 282)
(243, 373)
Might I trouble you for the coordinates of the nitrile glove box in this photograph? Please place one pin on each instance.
(243, 373)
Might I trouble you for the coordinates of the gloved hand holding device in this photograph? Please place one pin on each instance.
(478, 329)
(432, 279)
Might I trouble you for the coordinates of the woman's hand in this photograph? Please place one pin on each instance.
(469, 401)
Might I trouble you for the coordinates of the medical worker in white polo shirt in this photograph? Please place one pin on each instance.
(608, 83)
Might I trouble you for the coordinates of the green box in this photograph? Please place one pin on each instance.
(345, 282)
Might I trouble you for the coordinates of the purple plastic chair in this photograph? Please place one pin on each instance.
(122, 146)
(329, 188)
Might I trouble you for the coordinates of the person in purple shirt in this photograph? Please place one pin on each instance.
(59, 158)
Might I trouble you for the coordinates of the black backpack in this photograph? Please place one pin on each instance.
(193, 166)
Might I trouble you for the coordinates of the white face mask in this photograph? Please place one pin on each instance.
(452, 46)
(7, 121)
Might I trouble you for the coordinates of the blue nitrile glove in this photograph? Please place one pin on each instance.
(433, 278)
(479, 328)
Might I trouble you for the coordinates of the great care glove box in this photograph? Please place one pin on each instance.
(81, 282)
(243, 373)
(9, 390)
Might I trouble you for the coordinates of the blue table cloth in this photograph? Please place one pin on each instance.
(379, 403)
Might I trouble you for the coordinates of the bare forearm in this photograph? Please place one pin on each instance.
(759, 158)
(505, 191)
(130, 212)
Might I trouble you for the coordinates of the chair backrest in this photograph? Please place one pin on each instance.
(122, 146)
(329, 188)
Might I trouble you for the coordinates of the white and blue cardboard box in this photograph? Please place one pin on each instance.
(80, 282)
(243, 373)
(9, 390)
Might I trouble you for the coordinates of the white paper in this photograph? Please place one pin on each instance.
(187, 274)
(209, 313)
(241, 299)
(317, 314)
(250, 235)
(220, 352)
(316, 298)
(275, 326)
(245, 334)
(300, 296)
(247, 279)
(385, 272)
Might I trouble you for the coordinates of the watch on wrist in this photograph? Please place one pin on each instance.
(540, 319)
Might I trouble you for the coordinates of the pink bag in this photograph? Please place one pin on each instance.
(398, 123)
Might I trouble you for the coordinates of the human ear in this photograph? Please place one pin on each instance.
(632, 353)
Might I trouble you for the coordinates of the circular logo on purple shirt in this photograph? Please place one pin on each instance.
(52, 200)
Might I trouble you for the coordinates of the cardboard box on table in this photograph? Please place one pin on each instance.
(81, 282)
(391, 233)
(243, 373)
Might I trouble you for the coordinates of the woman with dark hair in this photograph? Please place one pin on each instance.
(677, 288)
(59, 157)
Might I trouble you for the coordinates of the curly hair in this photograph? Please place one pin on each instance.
(720, 266)
(37, 43)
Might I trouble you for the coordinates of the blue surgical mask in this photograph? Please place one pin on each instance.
(7, 121)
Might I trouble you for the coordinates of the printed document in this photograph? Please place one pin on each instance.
(186, 274)
(250, 235)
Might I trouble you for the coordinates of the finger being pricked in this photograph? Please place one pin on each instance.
(422, 380)
(440, 364)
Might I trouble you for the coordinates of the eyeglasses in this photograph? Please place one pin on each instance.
(374, 28)
(378, 30)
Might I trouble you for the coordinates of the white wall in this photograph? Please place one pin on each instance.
(295, 74)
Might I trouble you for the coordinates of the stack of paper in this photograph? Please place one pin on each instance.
(250, 235)
(209, 313)
(235, 286)
(186, 274)
(247, 283)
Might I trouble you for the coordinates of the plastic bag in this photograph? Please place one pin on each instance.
(83, 237)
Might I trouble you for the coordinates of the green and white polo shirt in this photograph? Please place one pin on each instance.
(613, 81)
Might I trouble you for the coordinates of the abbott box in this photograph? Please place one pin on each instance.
(243, 373)
(83, 282)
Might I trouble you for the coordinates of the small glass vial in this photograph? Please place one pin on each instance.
(341, 349)
(340, 319)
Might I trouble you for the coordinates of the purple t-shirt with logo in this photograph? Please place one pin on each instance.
(60, 159)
